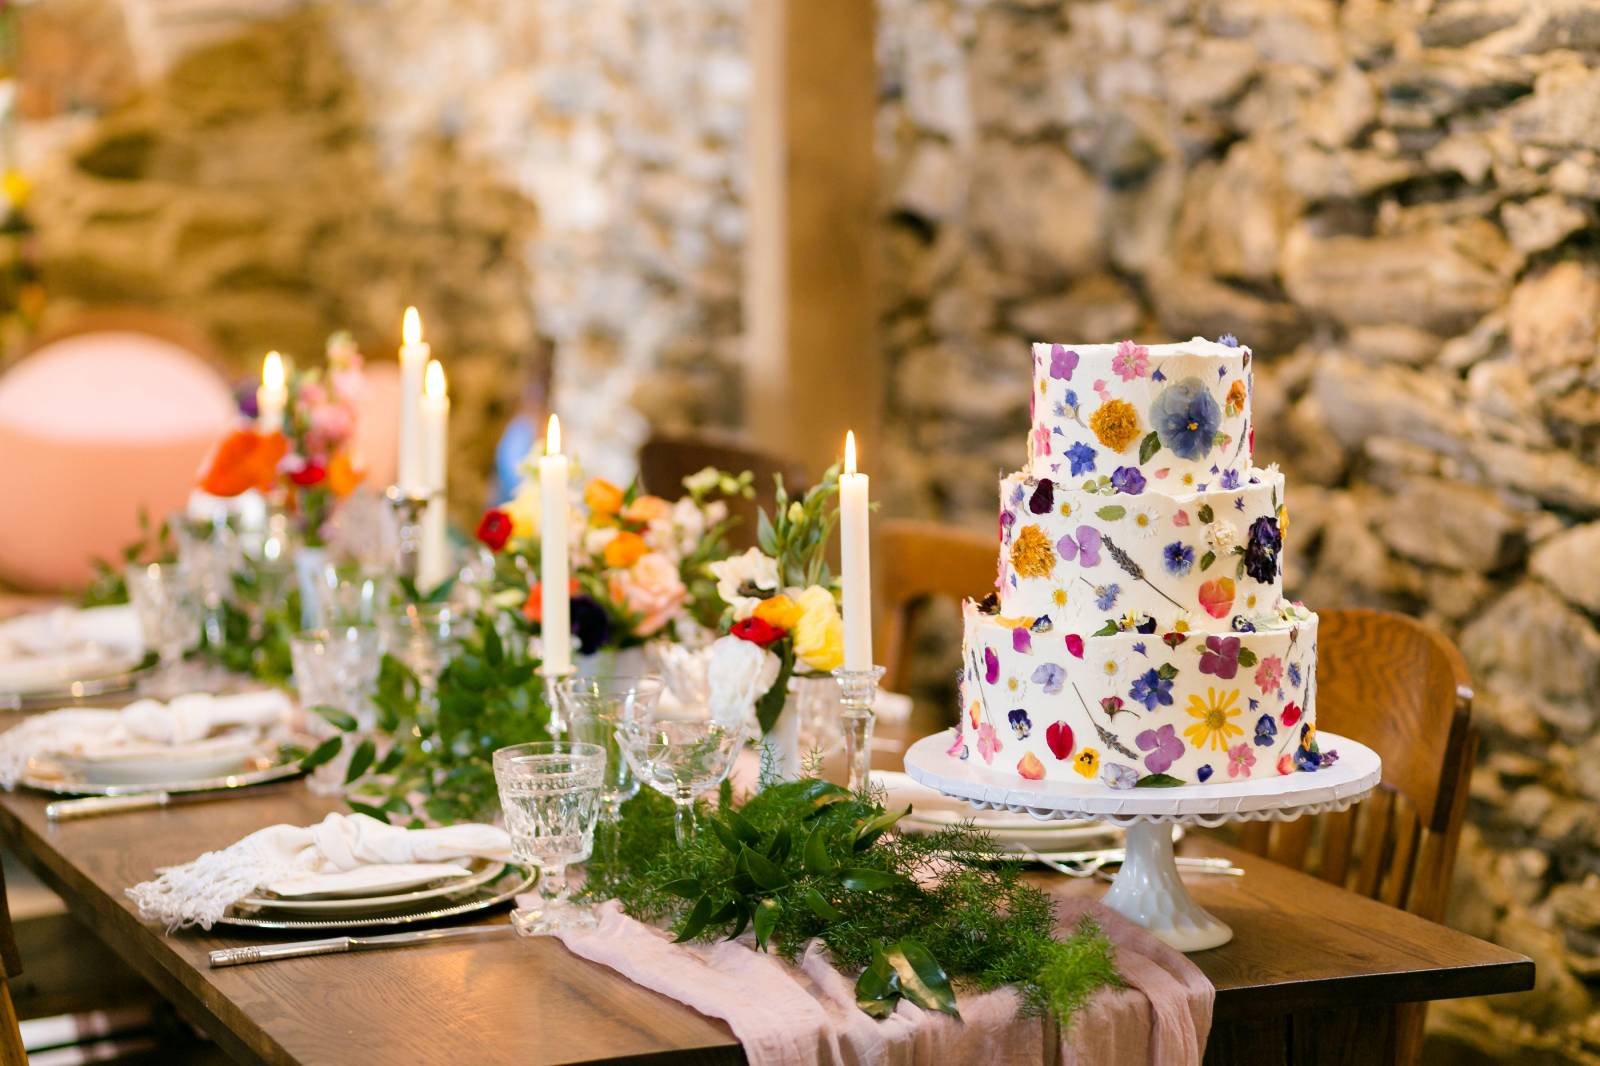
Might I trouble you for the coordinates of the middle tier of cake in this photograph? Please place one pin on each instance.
(1092, 562)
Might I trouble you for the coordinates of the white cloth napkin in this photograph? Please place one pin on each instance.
(198, 892)
(67, 628)
(91, 732)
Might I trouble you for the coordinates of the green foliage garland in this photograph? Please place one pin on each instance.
(807, 859)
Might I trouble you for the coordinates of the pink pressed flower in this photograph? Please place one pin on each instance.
(1240, 760)
(1269, 674)
(1131, 361)
(1286, 764)
(988, 743)
(958, 749)
(1181, 518)
(1022, 640)
(1075, 645)
(1041, 440)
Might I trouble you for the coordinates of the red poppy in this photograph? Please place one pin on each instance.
(757, 631)
(242, 460)
(494, 529)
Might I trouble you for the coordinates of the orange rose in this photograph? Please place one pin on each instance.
(243, 460)
(625, 549)
(646, 509)
(602, 497)
(533, 606)
(779, 611)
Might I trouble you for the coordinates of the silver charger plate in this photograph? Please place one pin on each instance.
(266, 771)
(512, 882)
(71, 692)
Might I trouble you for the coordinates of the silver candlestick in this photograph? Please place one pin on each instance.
(552, 697)
(858, 688)
(408, 506)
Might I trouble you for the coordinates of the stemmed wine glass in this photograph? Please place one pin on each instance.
(169, 611)
(550, 794)
(423, 636)
(210, 553)
(681, 754)
(595, 708)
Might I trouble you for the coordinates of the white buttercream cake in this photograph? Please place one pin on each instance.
(1138, 635)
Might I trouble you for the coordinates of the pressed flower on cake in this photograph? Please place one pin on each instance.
(1214, 726)
(1031, 554)
(1185, 418)
(1115, 424)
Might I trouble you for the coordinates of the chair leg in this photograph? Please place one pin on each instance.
(12, 1053)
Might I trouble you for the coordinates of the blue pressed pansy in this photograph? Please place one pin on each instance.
(1230, 480)
(1203, 774)
(1020, 723)
(1178, 558)
(1051, 676)
(1262, 548)
(1117, 776)
(1266, 731)
(1186, 417)
(1128, 479)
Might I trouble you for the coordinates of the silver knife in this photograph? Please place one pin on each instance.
(340, 944)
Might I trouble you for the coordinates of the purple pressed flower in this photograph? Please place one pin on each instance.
(1221, 657)
(1117, 776)
(1230, 479)
(1164, 745)
(1081, 457)
(1062, 362)
(1228, 340)
(1152, 690)
(1084, 547)
(1186, 417)
(1051, 676)
(1043, 500)
(1022, 640)
(1178, 558)
(1105, 596)
(991, 666)
(1157, 375)
(1127, 479)
(1140, 649)
(1020, 723)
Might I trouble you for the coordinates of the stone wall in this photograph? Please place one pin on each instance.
(1394, 203)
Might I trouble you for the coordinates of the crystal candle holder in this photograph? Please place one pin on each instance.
(408, 506)
(552, 697)
(859, 689)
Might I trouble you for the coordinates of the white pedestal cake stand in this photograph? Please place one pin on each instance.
(1147, 889)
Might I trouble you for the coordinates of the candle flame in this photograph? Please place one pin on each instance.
(850, 452)
(433, 385)
(272, 372)
(411, 327)
(552, 437)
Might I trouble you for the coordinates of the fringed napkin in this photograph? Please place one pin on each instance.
(806, 1014)
(198, 892)
(183, 721)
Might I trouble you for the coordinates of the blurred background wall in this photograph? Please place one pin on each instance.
(1392, 201)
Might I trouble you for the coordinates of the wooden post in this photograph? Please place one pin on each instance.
(813, 367)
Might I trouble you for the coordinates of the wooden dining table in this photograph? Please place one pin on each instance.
(1312, 975)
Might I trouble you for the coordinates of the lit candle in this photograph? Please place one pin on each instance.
(856, 559)
(413, 361)
(555, 626)
(272, 395)
(433, 552)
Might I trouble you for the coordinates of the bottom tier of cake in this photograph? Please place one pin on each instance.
(1140, 710)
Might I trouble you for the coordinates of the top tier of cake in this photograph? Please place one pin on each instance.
(1171, 417)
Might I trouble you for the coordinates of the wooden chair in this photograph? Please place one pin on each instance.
(1402, 689)
(667, 458)
(12, 1053)
(917, 562)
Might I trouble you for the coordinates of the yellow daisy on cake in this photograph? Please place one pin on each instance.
(1215, 716)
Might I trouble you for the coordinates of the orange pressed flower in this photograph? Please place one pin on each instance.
(343, 475)
(625, 549)
(243, 460)
(602, 497)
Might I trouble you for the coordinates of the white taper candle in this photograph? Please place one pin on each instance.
(855, 555)
(272, 396)
(413, 363)
(555, 626)
(433, 553)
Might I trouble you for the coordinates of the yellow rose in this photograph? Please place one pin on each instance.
(819, 635)
(523, 509)
(780, 611)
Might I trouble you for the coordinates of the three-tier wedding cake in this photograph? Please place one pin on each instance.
(1138, 635)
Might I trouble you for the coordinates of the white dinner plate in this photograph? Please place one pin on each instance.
(480, 872)
(931, 811)
(147, 764)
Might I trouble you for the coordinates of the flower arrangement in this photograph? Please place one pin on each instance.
(781, 596)
(639, 562)
(311, 463)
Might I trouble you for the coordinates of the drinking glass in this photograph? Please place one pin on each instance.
(164, 599)
(423, 636)
(550, 794)
(680, 754)
(348, 593)
(210, 553)
(338, 668)
(595, 708)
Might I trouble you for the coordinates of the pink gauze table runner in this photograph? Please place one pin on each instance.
(806, 1014)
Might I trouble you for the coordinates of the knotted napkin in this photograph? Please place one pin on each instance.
(806, 1014)
(143, 724)
(198, 892)
(54, 647)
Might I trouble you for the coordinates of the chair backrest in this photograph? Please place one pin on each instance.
(1402, 689)
(917, 562)
(667, 458)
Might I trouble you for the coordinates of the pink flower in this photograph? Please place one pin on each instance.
(334, 423)
(958, 747)
(1240, 760)
(650, 588)
(1075, 645)
(1181, 518)
(1131, 361)
(1022, 640)
(988, 743)
(1269, 674)
(1041, 440)
(1286, 764)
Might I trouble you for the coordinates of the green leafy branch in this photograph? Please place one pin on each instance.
(797, 532)
(154, 544)
(913, 915)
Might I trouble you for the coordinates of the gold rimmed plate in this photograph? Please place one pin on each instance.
(276, 764)
(497, 892)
